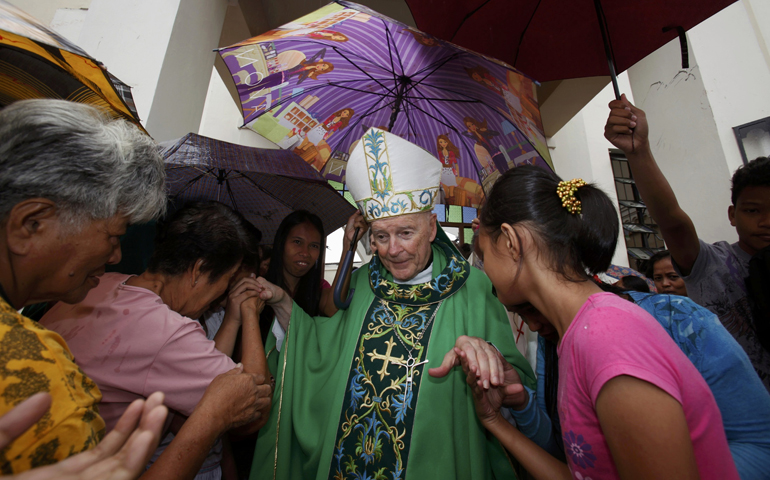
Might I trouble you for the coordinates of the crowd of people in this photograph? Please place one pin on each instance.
(228, 357)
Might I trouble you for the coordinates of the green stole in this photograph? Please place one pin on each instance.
(341, 408)
(378, 416)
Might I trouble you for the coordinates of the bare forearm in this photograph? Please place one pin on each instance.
(224, 340)
(282, 310)
(676, 227)
(253, 357)
(539, 463)
(183, 458)
(254, 361)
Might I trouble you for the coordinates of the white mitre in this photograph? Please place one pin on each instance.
(388, 176)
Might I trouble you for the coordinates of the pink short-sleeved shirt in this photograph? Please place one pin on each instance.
(132, 344)
(610, 337)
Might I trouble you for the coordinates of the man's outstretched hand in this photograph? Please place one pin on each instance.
(494, 381)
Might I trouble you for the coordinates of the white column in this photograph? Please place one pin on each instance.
(163, 49)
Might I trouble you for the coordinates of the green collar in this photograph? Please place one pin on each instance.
(451, 278)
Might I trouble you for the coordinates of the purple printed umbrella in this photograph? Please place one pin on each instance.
(314, 86)
(262, 184)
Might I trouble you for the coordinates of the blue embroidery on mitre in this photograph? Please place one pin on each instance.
(384, 200)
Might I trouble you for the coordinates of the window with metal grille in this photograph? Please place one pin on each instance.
(642, 234)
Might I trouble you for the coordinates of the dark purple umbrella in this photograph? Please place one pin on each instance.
(315, 85)
(262, 184)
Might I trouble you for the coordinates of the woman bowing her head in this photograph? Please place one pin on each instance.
(631, 404)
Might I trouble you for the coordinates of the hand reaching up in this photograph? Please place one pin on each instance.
(355, 221)
(626, 126)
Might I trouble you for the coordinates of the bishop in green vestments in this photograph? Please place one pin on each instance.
(353, 399)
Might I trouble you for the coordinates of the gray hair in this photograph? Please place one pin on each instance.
(92, 166)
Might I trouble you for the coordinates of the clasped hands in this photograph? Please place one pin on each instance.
(250, 295)
(493, 381)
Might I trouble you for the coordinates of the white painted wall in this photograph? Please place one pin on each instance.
(69, 22)
(222, 117)
(579, 150)
(732, 52)
(163, 49)
(180, 95)
(45, 10)
(131, 38)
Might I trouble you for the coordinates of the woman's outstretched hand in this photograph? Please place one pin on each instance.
(121, 455)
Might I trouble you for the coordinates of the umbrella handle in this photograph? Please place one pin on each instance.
(347, 264)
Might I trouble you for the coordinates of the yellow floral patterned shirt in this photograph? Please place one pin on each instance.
(34, 359)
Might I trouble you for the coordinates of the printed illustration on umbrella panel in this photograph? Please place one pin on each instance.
(520, 97)
(422, 38)
(319, 34)
(493, 162)
(311, 141)
(315, 85)
(456, 189)
(306, 69)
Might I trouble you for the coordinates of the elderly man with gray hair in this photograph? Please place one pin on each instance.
(354, 395)
(71, 181)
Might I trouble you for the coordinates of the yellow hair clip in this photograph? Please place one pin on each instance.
(566, 192)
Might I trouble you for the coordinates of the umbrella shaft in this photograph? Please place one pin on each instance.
(403, 84)
(607, 47)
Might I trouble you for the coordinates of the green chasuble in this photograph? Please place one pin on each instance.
(344, 407)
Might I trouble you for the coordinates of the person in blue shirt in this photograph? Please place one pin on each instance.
(739, 393)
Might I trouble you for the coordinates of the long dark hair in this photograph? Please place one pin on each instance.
(308, 292)
(551, 382)
(576, 245)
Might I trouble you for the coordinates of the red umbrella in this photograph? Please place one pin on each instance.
(555, 40)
